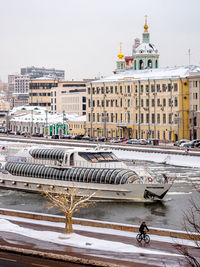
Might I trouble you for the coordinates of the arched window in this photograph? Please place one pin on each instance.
(149, 64)
(141, 64)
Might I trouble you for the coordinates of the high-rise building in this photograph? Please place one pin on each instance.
(35, 73)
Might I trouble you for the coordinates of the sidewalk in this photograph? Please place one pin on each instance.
(160, 253)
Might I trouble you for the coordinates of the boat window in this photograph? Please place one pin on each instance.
(98, 157)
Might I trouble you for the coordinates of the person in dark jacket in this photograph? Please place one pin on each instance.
(142, 228)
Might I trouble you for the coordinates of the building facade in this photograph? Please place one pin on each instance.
(40, 92)
(194, 110)
(40, 120)
(150, 103)
(35, 73)
(69, 97)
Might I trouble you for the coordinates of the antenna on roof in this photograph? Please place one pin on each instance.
(189, 55)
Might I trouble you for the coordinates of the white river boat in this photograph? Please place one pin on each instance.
(90, 170)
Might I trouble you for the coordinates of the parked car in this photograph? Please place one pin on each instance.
(85, 137)
(18, 133)
(26, 134)
(179, 142)
(101, 139)
(142, 142)
(65, 136)
(78, 137)
(55, 136)
(132, 141)
(38, 135)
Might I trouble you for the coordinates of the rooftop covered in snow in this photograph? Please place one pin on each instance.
(152, 74)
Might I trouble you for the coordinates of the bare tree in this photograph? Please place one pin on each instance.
(191, 224)
(68, 201)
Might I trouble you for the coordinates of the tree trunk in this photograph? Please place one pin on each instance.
(68, 224)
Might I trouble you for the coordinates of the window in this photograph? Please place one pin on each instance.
(169, 87)
(141, 89)
(128, 116)
(175, 102)
(169, 102)
(111, 89)
(153, 102)
(97, 117)
(164, 87)
(158, 134)
(164, 102)
(147, 102)
(136, 117)
(107, 90)
(120, 88)
(175, 87)
(121, 117)
(195, 95)
(89, 116)
(142, 118)
(153, 118)
(170, 118)
(128, 89)
(116, 104)
(152, 88)
(158, 118)
(164, 118)
(93, 103)
(111, 103)
(102, 90)
(142, 102)
(129, 101)
(195, 83)
(120, 102)
(136, 89)
(147, 88)
(116, 117)
(97, 103)
(115, 89)
(107, 103)
(88, 102)
(147, 118)
(158, 87)
(111, 117)
(158, 102)
(102, 103)
(93, 90)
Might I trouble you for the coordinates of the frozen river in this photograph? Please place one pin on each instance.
(167, 213)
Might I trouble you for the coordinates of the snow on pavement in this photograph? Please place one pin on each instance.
(101, 230)
(76, 240)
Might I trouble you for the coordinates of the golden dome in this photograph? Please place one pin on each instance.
(146, 26)
(120, 55)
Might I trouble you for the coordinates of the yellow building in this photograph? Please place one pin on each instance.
(151, 103)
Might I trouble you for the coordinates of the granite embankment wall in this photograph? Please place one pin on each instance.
(92, 223)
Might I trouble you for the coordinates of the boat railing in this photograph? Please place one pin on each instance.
(81, 164)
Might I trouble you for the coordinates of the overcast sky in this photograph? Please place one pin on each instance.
(83, 36)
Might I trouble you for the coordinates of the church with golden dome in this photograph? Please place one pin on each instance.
(144, 55)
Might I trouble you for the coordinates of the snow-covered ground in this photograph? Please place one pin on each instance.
(82, 241)
(177, 160)
(6, 225)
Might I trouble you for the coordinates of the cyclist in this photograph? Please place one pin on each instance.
(141, 229)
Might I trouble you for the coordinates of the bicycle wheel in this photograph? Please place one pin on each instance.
(147, 239)
(139, 237)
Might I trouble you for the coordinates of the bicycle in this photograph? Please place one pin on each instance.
(144, 237)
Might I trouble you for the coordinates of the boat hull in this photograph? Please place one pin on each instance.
(119, 192)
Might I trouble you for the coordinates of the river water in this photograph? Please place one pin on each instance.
(167, 213)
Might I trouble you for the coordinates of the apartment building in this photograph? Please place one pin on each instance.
(194, 105)
(69, 97)
(151, 103)
(40, 92)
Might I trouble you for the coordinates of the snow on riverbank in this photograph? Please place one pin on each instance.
(101, 230)
(76, 240)
(177, 160)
